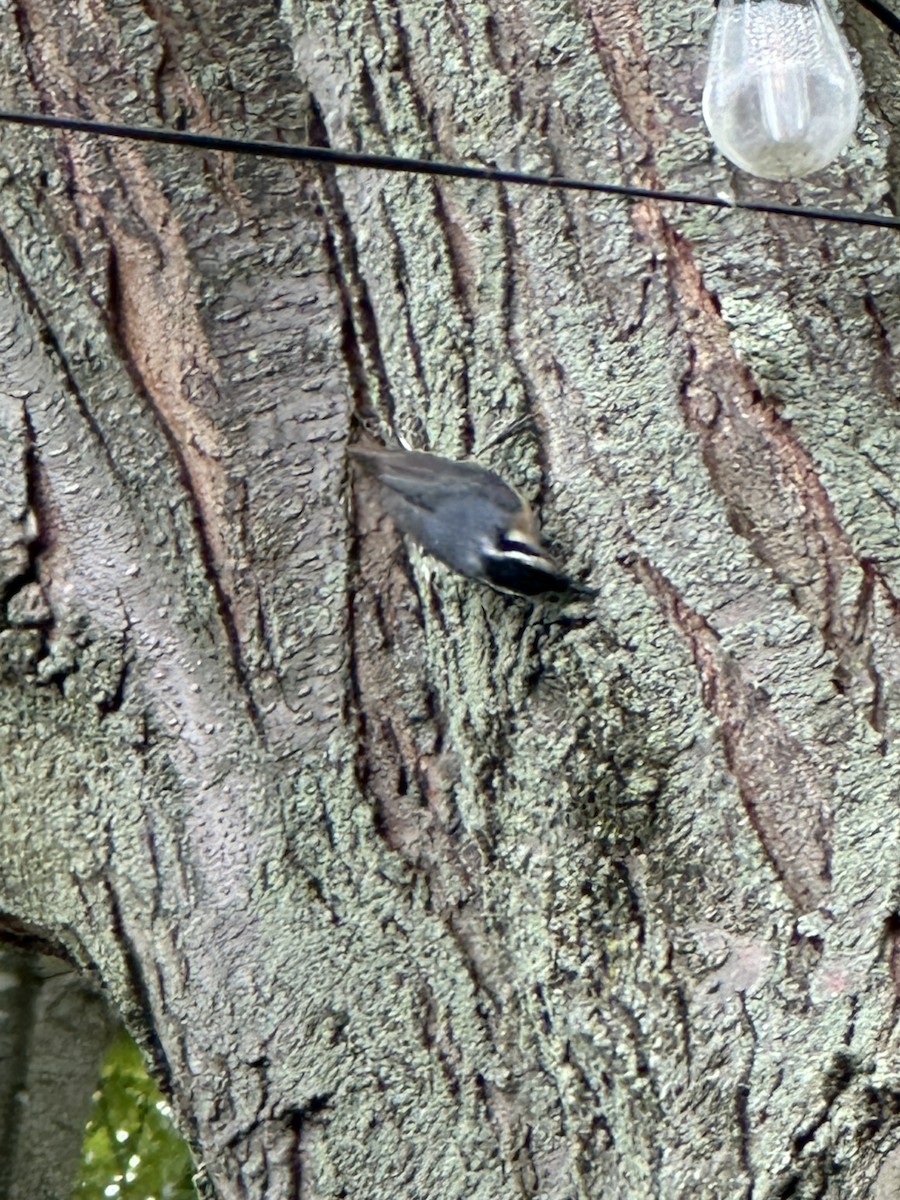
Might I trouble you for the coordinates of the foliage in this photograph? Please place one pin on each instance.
(131, 1149)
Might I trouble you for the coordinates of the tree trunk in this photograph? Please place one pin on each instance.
(53, 1030)
(413, 890)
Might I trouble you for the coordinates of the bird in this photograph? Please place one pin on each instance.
(469, 518)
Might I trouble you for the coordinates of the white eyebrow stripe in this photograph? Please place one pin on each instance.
(530, 555)
(521, 550)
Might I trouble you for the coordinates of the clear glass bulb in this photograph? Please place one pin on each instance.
(781, 98)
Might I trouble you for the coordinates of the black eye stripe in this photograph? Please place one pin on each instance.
(511, 574)
(511, 546)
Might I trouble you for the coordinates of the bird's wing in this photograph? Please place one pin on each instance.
(429, 481)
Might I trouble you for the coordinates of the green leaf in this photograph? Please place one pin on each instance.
(131, 1148)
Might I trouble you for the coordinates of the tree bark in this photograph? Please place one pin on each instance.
(410, 889)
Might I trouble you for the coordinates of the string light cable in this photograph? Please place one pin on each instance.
(329, 156)
(883, 13)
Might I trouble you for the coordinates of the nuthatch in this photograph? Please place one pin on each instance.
(466, 516)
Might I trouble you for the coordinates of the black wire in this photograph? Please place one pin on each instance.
(420, 166)
(884, 14)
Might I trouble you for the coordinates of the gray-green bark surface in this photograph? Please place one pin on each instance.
(416, 891)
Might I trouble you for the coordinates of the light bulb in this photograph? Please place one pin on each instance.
(781, 98)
